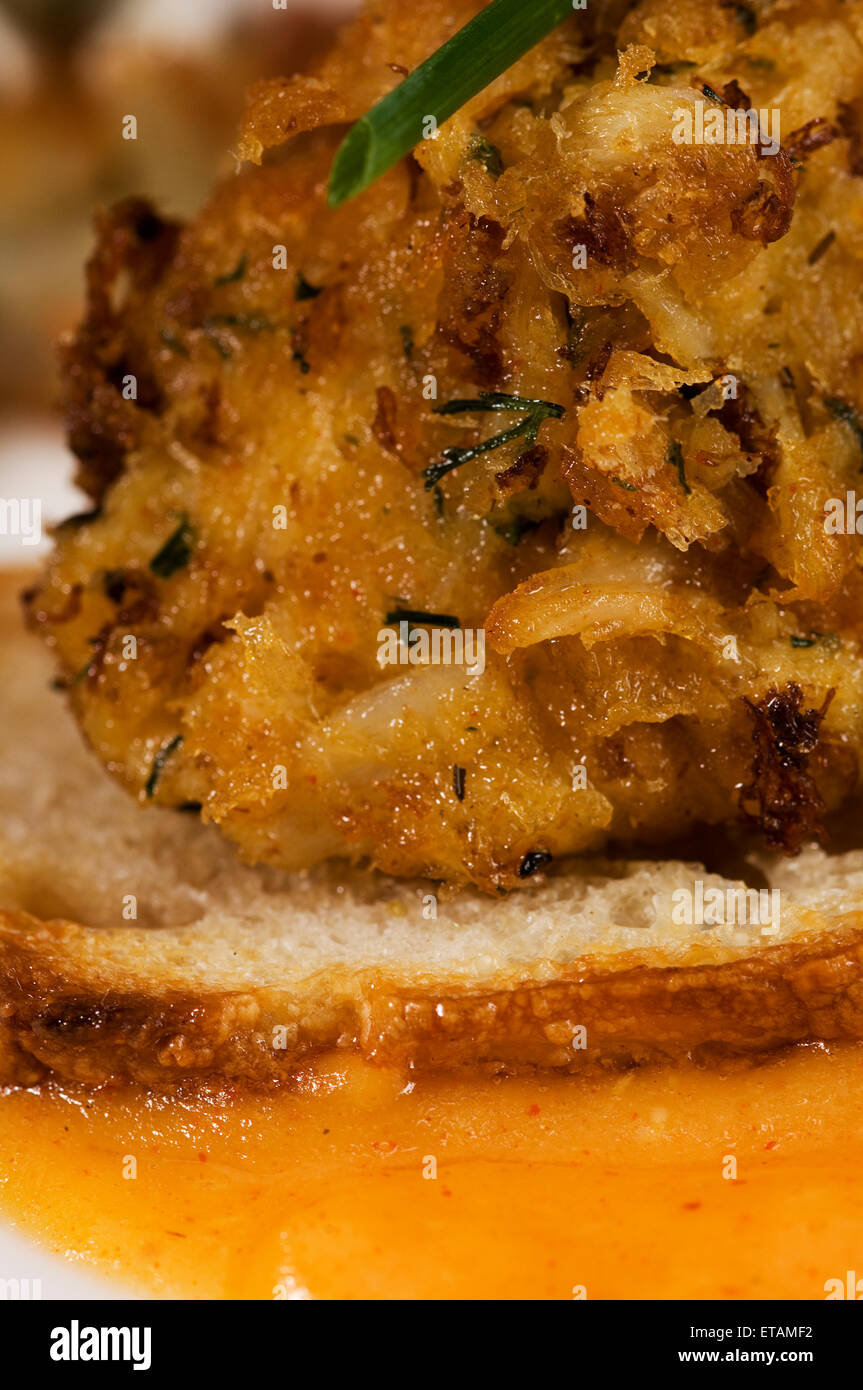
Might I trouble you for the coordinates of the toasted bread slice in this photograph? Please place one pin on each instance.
(241, 973)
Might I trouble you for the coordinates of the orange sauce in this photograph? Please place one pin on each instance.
(357, 1182)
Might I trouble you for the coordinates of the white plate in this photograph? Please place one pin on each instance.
(28, 1271)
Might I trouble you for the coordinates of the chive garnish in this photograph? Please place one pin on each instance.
(499, 35)
(486, 154)
(675, 458)
(249, 323)
(841, 410)
(829, 640)
(536, 412)
(159, 762)
(175, 553)
(236, 274)
(418, 618)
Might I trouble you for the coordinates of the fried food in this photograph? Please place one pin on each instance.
(662, 344)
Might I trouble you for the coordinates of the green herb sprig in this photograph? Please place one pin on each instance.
(159, 761)
(492, 42)
(536, 412)
(486, 154)
(841, 410)
(215, 325)
(176, 553)
(418, 617)
(675, 458)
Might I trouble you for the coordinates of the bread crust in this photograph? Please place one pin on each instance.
(56, 1019)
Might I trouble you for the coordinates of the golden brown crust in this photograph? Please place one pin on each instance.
(55, 1021)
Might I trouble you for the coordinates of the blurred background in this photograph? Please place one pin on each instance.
(70, 70)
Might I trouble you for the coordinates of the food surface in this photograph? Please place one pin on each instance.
(642, 619)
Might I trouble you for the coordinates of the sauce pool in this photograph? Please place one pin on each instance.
(666, 1182)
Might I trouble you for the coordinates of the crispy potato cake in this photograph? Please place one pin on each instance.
(279, 411)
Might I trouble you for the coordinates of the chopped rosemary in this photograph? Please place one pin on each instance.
(407, 340)
(829, 640)
(176, 552)
(713, 96)
(249, 323)
(841, 410)
(418, 618)
(303, 290)
(490, 43)
(486, 154)
(821, 249)
(536, 412)
(236, 274)
(159, 763)
(459, 775)
(675, 458)
(627, 487)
